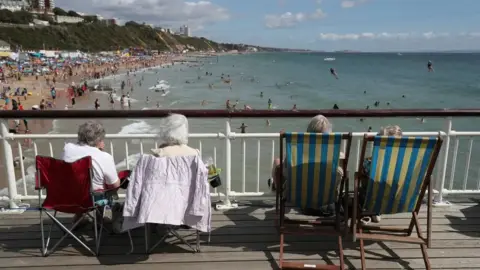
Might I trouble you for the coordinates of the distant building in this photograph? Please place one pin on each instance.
(40, 22)
(111, 21)
(184, 31)
(68, 19)
(4, 46)
(43, 5)
(14, 5)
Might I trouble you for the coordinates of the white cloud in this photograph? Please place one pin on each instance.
(348, 4)
(289, 19)
(158, 12)
(385, 36)
(286, 19)
(318, 14)
(351, 3)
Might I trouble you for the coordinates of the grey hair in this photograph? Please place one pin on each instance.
(174, 130)
(390, 131)
(319, 124)
(91, 133)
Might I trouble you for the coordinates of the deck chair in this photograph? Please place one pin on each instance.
(68, 188)
(396, 180)
(309, 173)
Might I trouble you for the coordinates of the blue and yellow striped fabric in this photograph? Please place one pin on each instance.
(311, 168)
(397, 172)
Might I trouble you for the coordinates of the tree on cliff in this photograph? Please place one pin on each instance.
(60, 12)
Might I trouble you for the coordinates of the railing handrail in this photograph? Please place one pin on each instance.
(59, 114)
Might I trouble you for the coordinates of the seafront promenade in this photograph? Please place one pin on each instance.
(244, 234)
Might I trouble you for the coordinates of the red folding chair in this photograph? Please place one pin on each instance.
(68, 187)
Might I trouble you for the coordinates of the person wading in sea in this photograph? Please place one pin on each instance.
(430, 66)
(243, 128)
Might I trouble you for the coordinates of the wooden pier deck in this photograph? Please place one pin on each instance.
(245, 238)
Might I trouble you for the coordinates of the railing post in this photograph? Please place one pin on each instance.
(446, 147)
(226, 203)
(8, 163)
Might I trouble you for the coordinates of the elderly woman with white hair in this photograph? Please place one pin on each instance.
(318, 124)
(173, 138)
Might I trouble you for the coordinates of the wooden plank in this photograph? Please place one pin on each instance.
(231, 231)
(455, 222)
(182, 258)
(457, 209)
(262, 265)
(254, 265)
(436, 218)
(262, 226)
(243, 240)
(373, 252)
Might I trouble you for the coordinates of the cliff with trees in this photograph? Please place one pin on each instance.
(94, 35)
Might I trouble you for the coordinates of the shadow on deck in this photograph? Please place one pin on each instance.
(245, 238)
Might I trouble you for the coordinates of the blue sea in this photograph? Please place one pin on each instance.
(394, 80)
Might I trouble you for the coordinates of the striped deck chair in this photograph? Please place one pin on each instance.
(310, 181)
(396, 181)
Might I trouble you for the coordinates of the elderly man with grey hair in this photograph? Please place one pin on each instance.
(90, 142)
(173, 138)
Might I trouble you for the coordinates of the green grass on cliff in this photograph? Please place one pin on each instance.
(98, 37)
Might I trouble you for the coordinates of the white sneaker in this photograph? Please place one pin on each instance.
(376, 219)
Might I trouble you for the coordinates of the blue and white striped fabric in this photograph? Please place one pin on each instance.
(397, 173)
(311, 168)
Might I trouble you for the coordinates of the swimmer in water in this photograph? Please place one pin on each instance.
(430, 66)
(243, 128)
(334, 73)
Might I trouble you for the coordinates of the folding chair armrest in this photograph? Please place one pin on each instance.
(107, 190)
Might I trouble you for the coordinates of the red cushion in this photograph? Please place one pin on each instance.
(68, 185)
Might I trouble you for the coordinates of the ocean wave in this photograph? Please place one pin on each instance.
(138, 127)
(162, 84)
(131, 161)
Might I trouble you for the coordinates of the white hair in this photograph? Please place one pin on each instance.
(319, 124)
(390, 131)
(174, 130)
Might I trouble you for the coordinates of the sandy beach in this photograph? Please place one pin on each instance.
(39, 89)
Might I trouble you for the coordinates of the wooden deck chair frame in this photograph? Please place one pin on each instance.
(320, 227)
(380, 233)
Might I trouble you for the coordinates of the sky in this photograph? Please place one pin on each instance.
(364, 25)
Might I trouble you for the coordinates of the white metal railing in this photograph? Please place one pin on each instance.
(447, 170)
